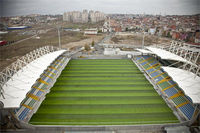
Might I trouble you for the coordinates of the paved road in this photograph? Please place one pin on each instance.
(98, 47)
(24, 39)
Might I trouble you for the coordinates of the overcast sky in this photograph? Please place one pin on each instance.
(168, 7)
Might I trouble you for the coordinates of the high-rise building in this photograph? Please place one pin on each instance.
(83, 17)
(76, 17)
(67, 16)
(96, 16)
(92, 16)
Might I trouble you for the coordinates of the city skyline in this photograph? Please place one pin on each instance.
(163, 7)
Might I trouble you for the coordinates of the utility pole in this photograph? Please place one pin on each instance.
(143, 35)
(109, 25)
(59, 37)
(143, 41)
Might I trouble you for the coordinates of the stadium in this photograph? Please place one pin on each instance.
(152, 89)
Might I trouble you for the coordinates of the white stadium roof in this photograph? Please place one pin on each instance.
(167, 55)
(144, 51)
(20, 84)
(188, 81)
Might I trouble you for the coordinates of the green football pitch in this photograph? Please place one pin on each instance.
(102, 92)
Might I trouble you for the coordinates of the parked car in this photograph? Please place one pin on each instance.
(3, 43)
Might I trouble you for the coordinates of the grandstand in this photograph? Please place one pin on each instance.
(178, 81)
(49, 87)
(174, 94)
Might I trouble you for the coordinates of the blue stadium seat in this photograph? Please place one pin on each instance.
(32, 90)
(49, 80)
(189, 99)
(23, 113)
(171, 82)
(188, 110)
(153, 63)
(143, 63)
(39, 93)
(54, 71)
(151, 70)
(137, 58)
(146, 56)
(171, 91)
(154, 74)
(55, 65)
(157, 79)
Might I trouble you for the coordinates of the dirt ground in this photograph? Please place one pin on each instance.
(83, 42)
(11, 53)
(136, 39)
(47, 34)
(69, 40)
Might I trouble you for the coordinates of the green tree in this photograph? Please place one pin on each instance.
(92, 43)
(168, 34)
(99, 31)
(87, 47)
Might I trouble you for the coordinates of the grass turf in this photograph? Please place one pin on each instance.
(102, 92)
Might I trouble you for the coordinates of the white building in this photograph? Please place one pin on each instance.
(92, 31)
(152, 31)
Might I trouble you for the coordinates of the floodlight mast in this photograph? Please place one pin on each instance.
(59, 43)
(143, 41)
(143, 35)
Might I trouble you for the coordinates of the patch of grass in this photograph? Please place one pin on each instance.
(102, 92)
